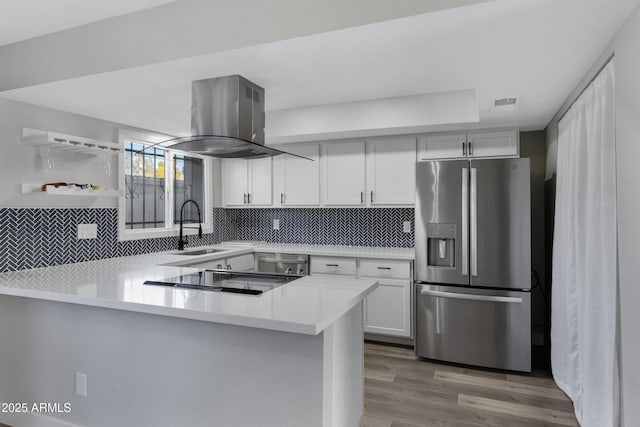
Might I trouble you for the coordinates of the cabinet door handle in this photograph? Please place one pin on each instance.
(470, 148)
(464, 148)
(362, 197)
(249, 198)
(384, 268)
(245, 198)
(371, 196)
(282, 198)
(332, 265)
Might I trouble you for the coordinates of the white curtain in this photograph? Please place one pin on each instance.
(584, 305)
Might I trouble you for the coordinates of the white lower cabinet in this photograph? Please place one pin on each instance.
(388, 309)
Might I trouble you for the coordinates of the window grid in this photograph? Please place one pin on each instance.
(188, 179)
(143, 170)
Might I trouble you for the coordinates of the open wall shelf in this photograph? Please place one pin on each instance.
(68, 143)
(65, 191)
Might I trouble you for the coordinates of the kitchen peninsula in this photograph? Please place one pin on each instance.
(122, 353)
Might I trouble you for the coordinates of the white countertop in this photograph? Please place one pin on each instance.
(407, 254)
(247, 247)
(307, 305)
(342, 251)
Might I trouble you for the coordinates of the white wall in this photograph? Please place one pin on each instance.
(628, 153)
(24, 164)
(389, 116)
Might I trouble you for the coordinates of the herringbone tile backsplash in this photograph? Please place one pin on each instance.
(323, 226)
(31, 238)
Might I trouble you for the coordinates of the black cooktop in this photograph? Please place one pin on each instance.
(239, 282)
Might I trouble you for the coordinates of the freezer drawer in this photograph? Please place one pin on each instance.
(477, 327)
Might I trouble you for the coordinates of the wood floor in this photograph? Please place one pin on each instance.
(402, 391)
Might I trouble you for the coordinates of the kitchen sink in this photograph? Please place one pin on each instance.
(200, 251)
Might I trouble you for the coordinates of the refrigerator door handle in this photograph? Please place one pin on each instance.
(471, 297)
(465, 221)
(474, 221)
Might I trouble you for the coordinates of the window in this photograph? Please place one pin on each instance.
(144, 179)
(188, 184)
(156, 182)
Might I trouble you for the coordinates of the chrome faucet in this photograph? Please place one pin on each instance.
(183, 240)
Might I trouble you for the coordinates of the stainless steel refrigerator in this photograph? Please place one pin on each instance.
(473, 262)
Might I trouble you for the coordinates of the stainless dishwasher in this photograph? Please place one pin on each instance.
(268, 262)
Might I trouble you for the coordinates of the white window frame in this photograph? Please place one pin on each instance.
(173, 229)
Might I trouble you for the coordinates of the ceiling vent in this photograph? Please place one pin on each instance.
(505, 104)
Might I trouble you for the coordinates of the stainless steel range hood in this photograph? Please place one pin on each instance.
(227, 120)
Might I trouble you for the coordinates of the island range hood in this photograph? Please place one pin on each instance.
(227, 120)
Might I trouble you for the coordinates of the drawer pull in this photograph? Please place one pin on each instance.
(384, 268)
(332, 265)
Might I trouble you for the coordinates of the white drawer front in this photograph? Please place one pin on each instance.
(333, 265)
(396, 269)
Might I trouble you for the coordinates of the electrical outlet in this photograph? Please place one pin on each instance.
(406, 226)
(276, 224)
(81, 384)
(87, 231)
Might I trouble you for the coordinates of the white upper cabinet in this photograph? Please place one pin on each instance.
(493, 144)
(471, 145)
(260, 190)
(300, 182)
(246, 182)
(391, 168)
(235, 177)
(434, 147)
(374, 173)
(342, 171)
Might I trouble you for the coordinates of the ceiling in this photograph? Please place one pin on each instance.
(535, 50)
(25, 19)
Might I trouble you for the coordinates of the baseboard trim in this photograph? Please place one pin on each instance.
(388, 339)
